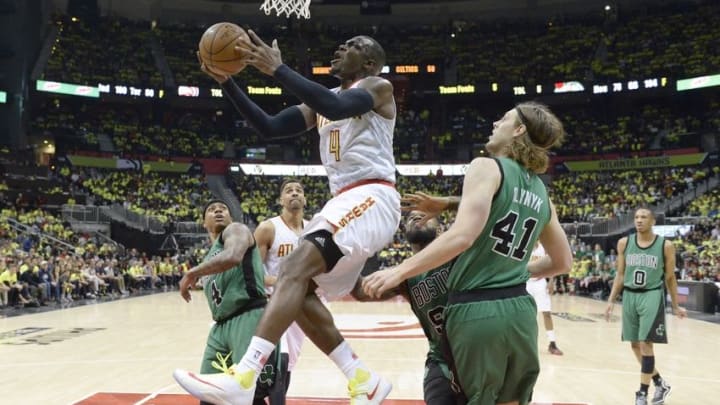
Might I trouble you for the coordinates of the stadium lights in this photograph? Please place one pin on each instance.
(3, 97)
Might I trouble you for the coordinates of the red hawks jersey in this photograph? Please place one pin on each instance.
(356, 148)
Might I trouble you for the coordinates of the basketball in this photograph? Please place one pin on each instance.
(217, 47)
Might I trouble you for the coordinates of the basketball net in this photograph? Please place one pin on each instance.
(291, 8)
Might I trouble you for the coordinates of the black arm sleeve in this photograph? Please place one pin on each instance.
(333, 106)
(289, 121)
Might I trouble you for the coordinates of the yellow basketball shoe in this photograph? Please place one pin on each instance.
(368, 389)
(229, 387)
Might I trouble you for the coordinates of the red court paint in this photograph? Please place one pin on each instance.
(122, 398)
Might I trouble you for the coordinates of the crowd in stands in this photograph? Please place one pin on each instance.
(180, 44)
(578, 196)
(584, 196)
(707, 205)
(258, 195)
(38, 271)
(167, 197)
(43, 276)
(661, 42)
(594, 268)
(112, 50)
(620, 44)
(699, 251)
(133, 129)
(421, 134)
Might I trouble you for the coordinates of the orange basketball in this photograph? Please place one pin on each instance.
(217, 47)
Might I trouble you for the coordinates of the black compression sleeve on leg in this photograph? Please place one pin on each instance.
(289, 121)
(334, 106)
(330, 251)
(647, 365)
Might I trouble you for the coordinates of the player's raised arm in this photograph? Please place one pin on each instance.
(431, 205)
(289, 121)
(371, 93)
(237, 240)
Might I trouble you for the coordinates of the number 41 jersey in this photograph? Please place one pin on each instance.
(499, 256)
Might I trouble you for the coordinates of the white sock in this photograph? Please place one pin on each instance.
(347, 361)
(550, 335)
(256, 355)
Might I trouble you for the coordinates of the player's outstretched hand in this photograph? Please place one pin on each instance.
(432, 206)
(381, 281)
(219, 77)
(259, 54)
(680, 312)
(188, 280)
(609, 311)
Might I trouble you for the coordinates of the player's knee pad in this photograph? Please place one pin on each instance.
(647, 364)
(323, 240)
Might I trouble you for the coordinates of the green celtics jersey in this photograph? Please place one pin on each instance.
(428, 296)
(644, 267)
(229, 292)
(499, 256)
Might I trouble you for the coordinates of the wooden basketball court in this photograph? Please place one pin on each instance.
(124, 352)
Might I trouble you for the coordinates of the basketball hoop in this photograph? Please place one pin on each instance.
(296, 8)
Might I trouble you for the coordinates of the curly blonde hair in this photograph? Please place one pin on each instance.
(543, 130)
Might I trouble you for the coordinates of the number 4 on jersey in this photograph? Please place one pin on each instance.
(504, 234)
(335, 144)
